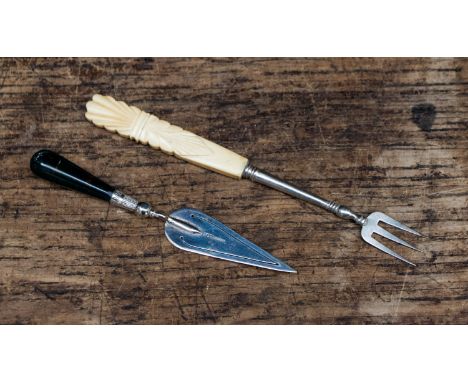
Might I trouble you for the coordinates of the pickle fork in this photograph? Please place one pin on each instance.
(133, 123)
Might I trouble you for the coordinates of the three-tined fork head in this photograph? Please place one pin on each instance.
(371, 226)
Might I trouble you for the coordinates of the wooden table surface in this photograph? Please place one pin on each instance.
(374, 134)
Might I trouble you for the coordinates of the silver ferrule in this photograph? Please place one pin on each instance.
(256, 175)
(121, 200)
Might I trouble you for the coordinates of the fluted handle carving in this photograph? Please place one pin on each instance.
(133, 123)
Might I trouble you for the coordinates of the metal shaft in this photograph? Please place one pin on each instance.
(256, 175)
(121, 200)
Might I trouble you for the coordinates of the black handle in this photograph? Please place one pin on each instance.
(54, 167)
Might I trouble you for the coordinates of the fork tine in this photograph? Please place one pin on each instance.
(395, 223)
(385, 249)
(382, 232)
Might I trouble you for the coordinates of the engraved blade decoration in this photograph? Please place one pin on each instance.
(214, 239)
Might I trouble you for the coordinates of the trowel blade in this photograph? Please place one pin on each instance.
(214, 239)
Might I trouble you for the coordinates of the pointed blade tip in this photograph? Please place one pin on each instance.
(286, 268)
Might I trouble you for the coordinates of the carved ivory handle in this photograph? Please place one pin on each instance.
(133, 123)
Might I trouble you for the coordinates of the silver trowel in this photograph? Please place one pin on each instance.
(186, 228)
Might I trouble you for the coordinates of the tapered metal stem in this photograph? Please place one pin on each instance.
(121, 200)
(256, 175)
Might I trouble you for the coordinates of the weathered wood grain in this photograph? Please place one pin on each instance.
(375, 134)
